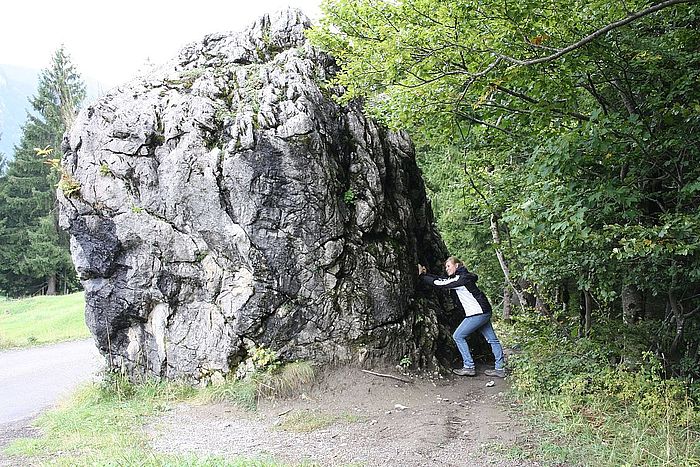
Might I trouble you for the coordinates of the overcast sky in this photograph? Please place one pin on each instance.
(109, 41)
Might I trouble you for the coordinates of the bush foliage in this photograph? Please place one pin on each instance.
(605, 400)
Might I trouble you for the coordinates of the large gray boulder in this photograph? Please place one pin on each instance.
(224, 202)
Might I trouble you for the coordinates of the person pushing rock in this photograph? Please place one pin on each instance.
(477, 310)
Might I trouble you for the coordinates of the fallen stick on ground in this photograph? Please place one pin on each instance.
(388, 376)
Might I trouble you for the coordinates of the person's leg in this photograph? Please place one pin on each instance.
(468, 326)
(490, 335)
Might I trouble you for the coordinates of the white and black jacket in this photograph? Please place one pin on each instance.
(462, 286)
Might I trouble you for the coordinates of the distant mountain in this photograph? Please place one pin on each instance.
(17, 85)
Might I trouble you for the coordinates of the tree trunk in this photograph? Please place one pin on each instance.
(584, 329)
(565, 298)
(51, 284)
(507, 302)
(540, 304)
(589, 305)
(496, 237)
(529, 299)
(632, 304)
(679, 318)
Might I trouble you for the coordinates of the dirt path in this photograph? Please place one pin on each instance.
(371, 421)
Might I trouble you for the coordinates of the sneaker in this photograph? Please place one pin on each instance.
(497, 373)
(466, 371)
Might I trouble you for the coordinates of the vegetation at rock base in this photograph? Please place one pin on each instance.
(42, 320)
(246, 388)
(35, 257)
(559, 142)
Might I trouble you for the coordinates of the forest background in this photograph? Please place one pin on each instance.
(560, 143)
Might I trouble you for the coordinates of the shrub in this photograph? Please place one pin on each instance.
(611, 397)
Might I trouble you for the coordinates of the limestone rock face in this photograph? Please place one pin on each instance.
(226, 203)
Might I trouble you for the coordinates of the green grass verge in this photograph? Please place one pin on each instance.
(42, 320)
(585, 410)
(102, 423)
(603, 436)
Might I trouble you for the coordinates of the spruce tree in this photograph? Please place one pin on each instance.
(3, 162)
(35, 255)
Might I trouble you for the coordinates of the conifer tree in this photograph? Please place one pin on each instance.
(3, 162)
(35, 254)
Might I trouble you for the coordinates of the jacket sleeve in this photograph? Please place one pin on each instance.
(447, 282)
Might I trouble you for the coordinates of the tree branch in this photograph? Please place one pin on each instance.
(429, 18)
(423, 81)
(383, 375)
(529, 99)
(691, 313)
(481, 122)
(593, 36)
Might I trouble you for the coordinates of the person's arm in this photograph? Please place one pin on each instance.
(441, 282)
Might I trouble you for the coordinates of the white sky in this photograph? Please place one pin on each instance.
(111, 40)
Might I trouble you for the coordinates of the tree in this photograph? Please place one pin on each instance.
(35, 254)
(3, 162)
(573, 128)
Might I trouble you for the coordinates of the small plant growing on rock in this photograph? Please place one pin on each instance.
(192, 75)
(349, 197)
(68, 185)
(105, 170)
(200, 255)
(264, 359)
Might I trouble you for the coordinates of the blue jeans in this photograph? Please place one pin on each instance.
(481, 323)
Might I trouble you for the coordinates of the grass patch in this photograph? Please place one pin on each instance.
(604, 437)
(310, 420)
(278, 382)
(101, 424)
(286, 381)
(96, 426)
(243, 393)
(42, 320)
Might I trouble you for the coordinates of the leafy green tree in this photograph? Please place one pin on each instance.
(35, 254)
(570, 133)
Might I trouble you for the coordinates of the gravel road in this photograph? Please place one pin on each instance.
(32, 380)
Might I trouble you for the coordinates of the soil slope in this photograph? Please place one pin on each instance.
(369, 421)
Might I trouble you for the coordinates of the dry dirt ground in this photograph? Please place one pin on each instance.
(11, 431)
(368, 421)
